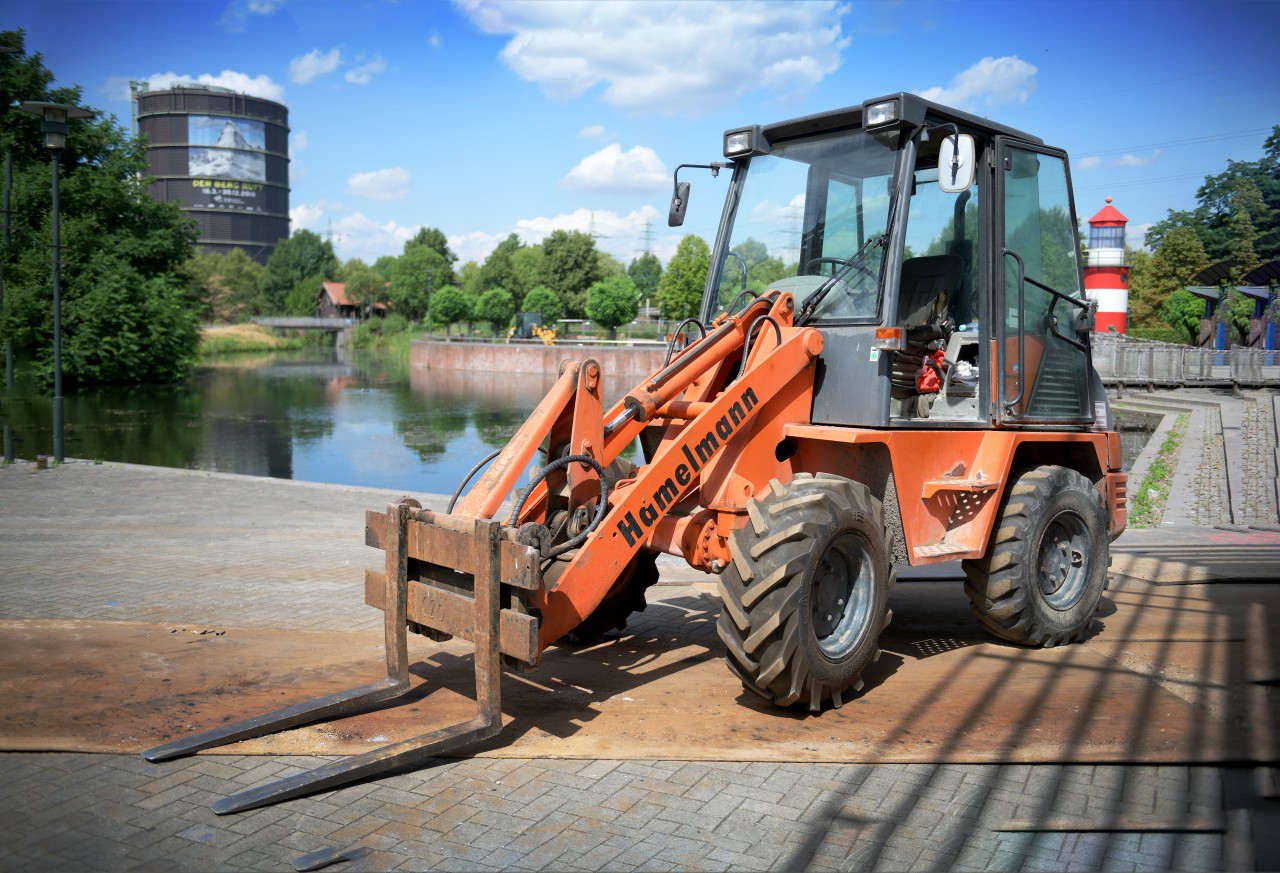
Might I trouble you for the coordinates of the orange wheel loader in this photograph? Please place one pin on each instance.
(909, 381)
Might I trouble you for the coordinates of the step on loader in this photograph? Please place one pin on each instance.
(891, 366)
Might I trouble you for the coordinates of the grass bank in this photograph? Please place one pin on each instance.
(1146, 509)
(221, 339)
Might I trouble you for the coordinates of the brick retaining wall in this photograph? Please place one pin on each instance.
(531, 358)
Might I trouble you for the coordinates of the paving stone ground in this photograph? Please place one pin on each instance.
(218, 549)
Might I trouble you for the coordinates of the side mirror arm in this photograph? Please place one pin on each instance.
(680, 194)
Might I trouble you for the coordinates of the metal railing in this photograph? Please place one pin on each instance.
(305, 323)
(1125, 360)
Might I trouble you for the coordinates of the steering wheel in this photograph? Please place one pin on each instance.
(817, 262)
(843, 262)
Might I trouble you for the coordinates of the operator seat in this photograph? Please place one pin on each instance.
(926, 295)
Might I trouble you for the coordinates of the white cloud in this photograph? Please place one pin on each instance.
(668, 57)
(435, 40)
(363, 74)
(389, 184)
(117, 87)
(1136, 161)
(620, 235)
(312, 65)
(309, 216)
(594, 131)
(358, 236)
(236, 16)
(474, 246)
(1091, 162)
(989, 82)
(612, 170)
(305, 216)
(769, 212)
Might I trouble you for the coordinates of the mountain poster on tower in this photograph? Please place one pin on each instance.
(227, 162)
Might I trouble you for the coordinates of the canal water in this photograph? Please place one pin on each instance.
(364, 419)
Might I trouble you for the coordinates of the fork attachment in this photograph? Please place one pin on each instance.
(445, 546)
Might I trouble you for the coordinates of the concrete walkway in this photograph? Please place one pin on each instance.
(236, 551)
(1226, 473)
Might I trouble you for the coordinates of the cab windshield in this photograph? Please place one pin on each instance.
(813, 213)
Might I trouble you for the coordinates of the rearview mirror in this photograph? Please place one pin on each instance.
(679, 203)
(956, 163)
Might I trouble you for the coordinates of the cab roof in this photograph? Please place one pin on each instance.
(914, 109)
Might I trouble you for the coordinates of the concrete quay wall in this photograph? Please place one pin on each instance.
(630, 359)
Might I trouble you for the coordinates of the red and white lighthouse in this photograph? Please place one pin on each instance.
(1106, 272)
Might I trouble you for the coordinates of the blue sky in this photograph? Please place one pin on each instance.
(484, 118)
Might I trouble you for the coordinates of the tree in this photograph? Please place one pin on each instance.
(128, 314)
(496, 306)
(680, 289)
(434, 239)
(1240, 238)
(1180, 256)
(645, 271)
(302, 255)
(609, 265)
(613, 302)
(227, 286)
(409, 281)
(301, 299)
(469, 279)
(1183, 311)
(385, 266)
(526, 268)
(449, 306)
(498, 271)
(364, 286)
(1252, 187)
(570, 267)
(545, 302)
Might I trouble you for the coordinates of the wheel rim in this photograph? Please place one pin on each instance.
(843, 589)
(1064, 561)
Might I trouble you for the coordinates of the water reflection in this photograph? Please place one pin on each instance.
(302, 415)
(367, 420)
(1135, 429)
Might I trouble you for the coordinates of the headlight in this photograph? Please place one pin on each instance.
(737, 143)
(880, 114)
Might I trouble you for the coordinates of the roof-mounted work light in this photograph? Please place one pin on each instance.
(883, 114)
(747, 141)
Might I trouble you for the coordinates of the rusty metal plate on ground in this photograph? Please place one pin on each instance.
(1166, 678)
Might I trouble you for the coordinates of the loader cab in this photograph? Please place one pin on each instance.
(924, 284)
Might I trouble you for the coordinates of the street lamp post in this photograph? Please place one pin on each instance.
(4, 312)
(55, 124)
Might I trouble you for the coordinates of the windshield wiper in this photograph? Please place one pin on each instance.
(812, 302)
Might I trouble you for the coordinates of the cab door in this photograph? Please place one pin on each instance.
(1041, 318)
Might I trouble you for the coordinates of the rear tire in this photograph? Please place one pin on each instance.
(807, 593)
(1044, 572)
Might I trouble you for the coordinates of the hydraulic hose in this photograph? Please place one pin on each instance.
(601, 508)
(476, 469)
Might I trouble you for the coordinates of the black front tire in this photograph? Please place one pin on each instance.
(623, 600)
(806, 595)
(1042, 578)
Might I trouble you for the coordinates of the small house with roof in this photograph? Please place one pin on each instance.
(332, 302)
